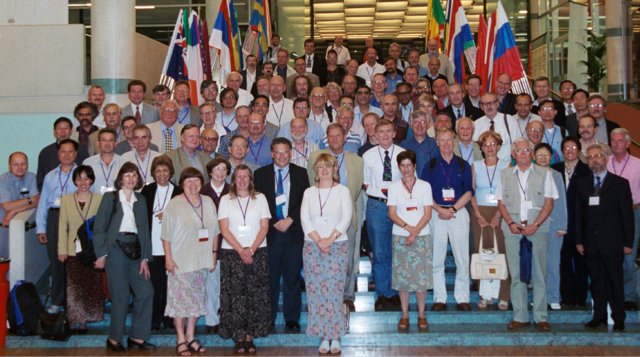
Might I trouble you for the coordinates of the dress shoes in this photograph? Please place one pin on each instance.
(438, 306)
(115, 347)
(144, 345)
(293, 326)
(630, 306)
(542, 326)
(213, 329)
(381, 303)
(618, 326)
(516, 325)
(463, 306)
(395, 300)
(350, 305)
(595, 323)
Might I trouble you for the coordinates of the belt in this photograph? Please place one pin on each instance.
(128, 234)
(54, 208)
(377, 198)
(636, 205)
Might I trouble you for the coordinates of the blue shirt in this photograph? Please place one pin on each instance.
(554, 138)
(56, 184)
(184, 116)
(425, 151)
(174, 135)
(13, 188)
(353, 143)
(392, 82)
(602, 176)
(259, 152)
(314, 132)
(286, 184)
(449, 176)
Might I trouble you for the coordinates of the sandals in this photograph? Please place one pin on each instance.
(482, 303)
(403, 324)
(186, 351)
(198, 349)
(503, 305)
(240, 348)
(335, 347)
(324, 347)
(250, 347)
(423, 325)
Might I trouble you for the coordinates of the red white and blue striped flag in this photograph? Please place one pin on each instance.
(225, 39)
(459, 40)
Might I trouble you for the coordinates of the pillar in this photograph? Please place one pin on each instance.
(113, 52)
(618, 50)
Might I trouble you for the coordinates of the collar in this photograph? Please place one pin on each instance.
(284, 169)
(123, 197)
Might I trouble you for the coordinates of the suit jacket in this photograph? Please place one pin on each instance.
(610, 126)
(467, 101)
(609, 226)
(477, 153)
(158, 139)
(579, 171)
(355, 176)
(124, 147)
(149, 194)
(469, 111)
(93, 142)
(149, 113)
(508, 104)
(561, 117)
(194, 116)
(180, 162)
(243, 85)
(265, 182)
(319, 67)
(572, 125)
(106, 227)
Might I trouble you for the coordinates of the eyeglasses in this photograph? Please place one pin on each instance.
(301, 107)
(169, 110)
(378, 82)
(547, 109)
(523, 150)
(317, 96)
(255, 123)
(596, 105)
(490, 144)
(404, 93)
(209, 138)
(534, 130)
(543, 154)
(489, 103)
(571, 147)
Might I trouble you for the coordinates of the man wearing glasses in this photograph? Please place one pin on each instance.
(495, 121)
(597, 107)
(165, 133)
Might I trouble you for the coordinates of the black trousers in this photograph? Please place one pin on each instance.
(573, 274)
(285, 261)
(159, 282)
(58, 269)
(605, 270)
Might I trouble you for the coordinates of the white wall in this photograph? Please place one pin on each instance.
(34, 12)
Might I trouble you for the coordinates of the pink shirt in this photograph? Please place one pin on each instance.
(628, 168)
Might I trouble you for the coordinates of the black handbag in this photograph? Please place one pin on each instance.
(54, 326)
(132, 250)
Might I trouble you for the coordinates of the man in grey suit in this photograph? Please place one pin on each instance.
(164, 133)
(188, 155)
(187, 113)
(351, 170)
(299, 67)
(143, 112)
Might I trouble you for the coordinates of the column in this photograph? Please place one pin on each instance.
(113, 52)
(618, 49)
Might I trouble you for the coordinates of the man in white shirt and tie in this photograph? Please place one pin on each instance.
(493, 120)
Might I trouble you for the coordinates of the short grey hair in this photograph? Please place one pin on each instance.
(624, 131)
(522, 140)
(603, 147)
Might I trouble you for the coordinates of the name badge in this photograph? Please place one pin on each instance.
(384, 188)
(321, 221)
(280, 200)
(527, 205)
(594, 201)
(490, 198)
(78, 246)
(448, 194)
(56, 203)
(104, 189)
(244, 233)
(411, 204)
(203, 235)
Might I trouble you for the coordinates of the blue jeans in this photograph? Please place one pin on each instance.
(379, 227)
(629, 264)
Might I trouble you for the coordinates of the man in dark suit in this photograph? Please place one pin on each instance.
(458, 108)
(506, 98)
(573, 268)
(283, 184)
(314, 63)
(604, 234)
(597, 107)
(250, 73)
(143, 112)
(542, 88)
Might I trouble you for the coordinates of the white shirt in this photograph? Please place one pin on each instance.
(483, 124)
(410, 206)
(366, 72)
(281, 112)
(105, 175)
(128, 223)
(251, 78)
(374, 169)
(162, 198)
(244, 98)
(144, 165)
(343, 54)
(322, 119)
(521, 124)
(233, 208)
(550, 189)
(324, 209)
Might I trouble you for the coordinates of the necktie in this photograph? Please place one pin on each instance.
(138, 116)
(308, 61)
(570, 109)
(459, 114)
(168, 143)
(280, 191)
(492, 127)
(596, 189)
(386, 174)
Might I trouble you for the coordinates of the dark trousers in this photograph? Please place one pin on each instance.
(573, 274)
(605, 270)
(58, 269)
(285, 261)
(159, 282)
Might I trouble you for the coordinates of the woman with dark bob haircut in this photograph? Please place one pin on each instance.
(123, 246)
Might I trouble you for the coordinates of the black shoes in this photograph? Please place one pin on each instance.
(630, 306)
(618, 326)
(116, 347)
(144, 345)
(293, 326)
(595, 323)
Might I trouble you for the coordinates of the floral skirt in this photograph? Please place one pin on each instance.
(85, 297)
(186, 294)
(412, 267)
(324, 275)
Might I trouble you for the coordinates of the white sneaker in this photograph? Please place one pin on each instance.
(324, 347)
(54, 309)
(555, 306)
(335, 347)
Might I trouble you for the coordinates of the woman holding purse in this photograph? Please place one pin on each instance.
(123, 246)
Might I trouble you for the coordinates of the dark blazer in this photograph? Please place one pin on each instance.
(431, 80)
(319, 67)
(610, 126)
(106, 228)
(609, 226)
(265, 182)
(48, 160)
(572, 125)
(469, 111)
(207, 190)
(508, 104)
(561, 117)
(149, 193)
(335, 76)
(581, 170)
(467, 101)
(243, 73)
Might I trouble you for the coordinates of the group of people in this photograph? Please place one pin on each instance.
(215, 210)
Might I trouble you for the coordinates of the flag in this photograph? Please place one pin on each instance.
(174, 69)
(459, 40)
(260, 23)
(225, 38)
(505, 57)
(194, 58)
(204, 49)
(482, 60)
(435, 20)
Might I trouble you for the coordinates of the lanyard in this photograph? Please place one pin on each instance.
(486, 167)
(553, 136)
(105, 174)
(447, 176)
(325, 200)
(226, 126)
(522, 132)
(255, 156)
(520, 184)
(63, 187)
(143, 172)
(470, 151)
(83, 216)
(195, 208)
(244, 211)
(182, 118)
(278, 116)
(304, 151)
(283, 179)
(410, 190)
(159, 208)
(613, 165)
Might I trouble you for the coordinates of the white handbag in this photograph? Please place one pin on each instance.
(489, 264)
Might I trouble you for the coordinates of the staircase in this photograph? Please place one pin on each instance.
(378, 329)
